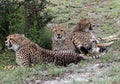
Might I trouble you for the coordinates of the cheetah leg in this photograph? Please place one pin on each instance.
(99, 49)
(97, 55)
(104, 44)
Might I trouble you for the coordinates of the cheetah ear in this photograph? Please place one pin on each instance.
(66, 27)
(53, 27)
(79, 25)
(22, 38)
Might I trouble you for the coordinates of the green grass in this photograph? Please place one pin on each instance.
(73, 81)
(6, 59)
(111, 76)
(107, 28)
(55, 71)
(23, 75)
(116, 45)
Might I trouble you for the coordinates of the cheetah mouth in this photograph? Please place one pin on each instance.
(59, 37)
(9, 46)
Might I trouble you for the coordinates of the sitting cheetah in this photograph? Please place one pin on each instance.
(84, 40)
(82, 36)
(28, 52)
(61, 40)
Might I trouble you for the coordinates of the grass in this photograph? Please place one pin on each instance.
(108, 29)
(111, 76)
(116, 45)
(69, 12)
(24, 75)
(6, 59)
(73, 81)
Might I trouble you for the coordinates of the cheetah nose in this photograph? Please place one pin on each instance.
(58, 34)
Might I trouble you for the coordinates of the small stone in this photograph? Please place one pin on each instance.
(38, 82)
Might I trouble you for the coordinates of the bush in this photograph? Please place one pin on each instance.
(27, 17)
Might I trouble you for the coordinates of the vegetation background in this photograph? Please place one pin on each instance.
(30, 17)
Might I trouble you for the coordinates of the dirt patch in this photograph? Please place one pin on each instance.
(84, 74)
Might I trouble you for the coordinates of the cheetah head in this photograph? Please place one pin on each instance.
(15, 41)
(83, 25)
(59, 32)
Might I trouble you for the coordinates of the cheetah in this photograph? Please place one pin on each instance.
(84, 40)
(61, 40)
(28, 52)
(82, 35)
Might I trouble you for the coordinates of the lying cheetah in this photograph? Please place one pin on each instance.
(28, 52)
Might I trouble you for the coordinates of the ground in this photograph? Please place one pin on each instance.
(106, 70)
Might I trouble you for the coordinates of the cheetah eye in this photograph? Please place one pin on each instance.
(61, 30)
(55, 30)
(89, 24)
(11, 39)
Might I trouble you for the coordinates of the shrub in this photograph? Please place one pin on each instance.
(27, 17)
